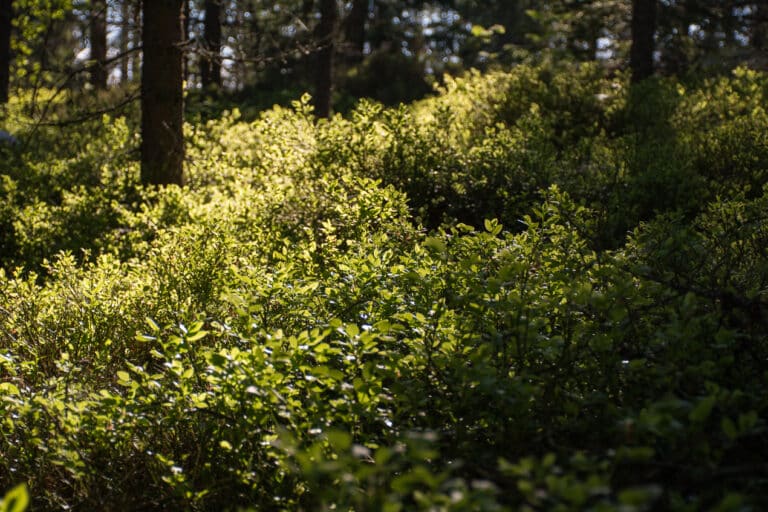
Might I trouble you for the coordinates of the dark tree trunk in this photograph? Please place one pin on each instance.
(125, 22)
(162, 99)
(6, 15)
(730, 26)
(326, 34)
(210, 69)
(187, 12)
(354, 31)
(138, 7)
(759, 38)
(307, 60)
(99, 44)
(643, 31)
(307, 7)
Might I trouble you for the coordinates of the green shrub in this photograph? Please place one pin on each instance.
(285, 334)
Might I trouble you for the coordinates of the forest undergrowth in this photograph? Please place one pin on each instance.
(540, 289)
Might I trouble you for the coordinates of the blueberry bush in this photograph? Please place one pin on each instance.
(540, 289)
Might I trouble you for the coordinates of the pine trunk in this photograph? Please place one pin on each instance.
(162, 99)
(125, 16)
(354, 31)
(326, 33)
(643, 32)
(760, 28)
(99, 44)
(6, 15)
(136, 39)
(210, 72)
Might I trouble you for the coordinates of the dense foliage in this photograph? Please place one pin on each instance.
(540, 289)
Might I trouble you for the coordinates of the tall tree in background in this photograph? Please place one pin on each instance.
(759, 37)
(354, 31)
(125, 37)
(138, 7)
(307, 59)
(185, 63)
(162, 98)
(326, 35)
(676, 47)
(643, 32)
(210, 65)
(6, 15)
(99, 44)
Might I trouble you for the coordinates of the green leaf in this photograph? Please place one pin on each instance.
(197, 336)
(16, 500)
(729, 428)
(492, 226)
(339, 440)
(8, 388)
(217, 360)
(497, 29)
(383, 326)
(703, 409)
(152, 325)
(436, 245)
(352, 330)
(480, 31)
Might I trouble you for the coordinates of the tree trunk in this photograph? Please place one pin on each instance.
(99, 44)
(125, 17)
(354, 31)
(306, 42)
(136, 38)
(643, 31)
(186, 64)
(326, 33)
(162, 98)
(6, 15)
(210, 69)
(759, 38)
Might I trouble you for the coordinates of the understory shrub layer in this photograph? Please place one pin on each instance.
(539, 289)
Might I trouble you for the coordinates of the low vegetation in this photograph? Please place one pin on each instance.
(541, 289)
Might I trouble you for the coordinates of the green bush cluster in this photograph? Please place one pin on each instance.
(536, 290)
